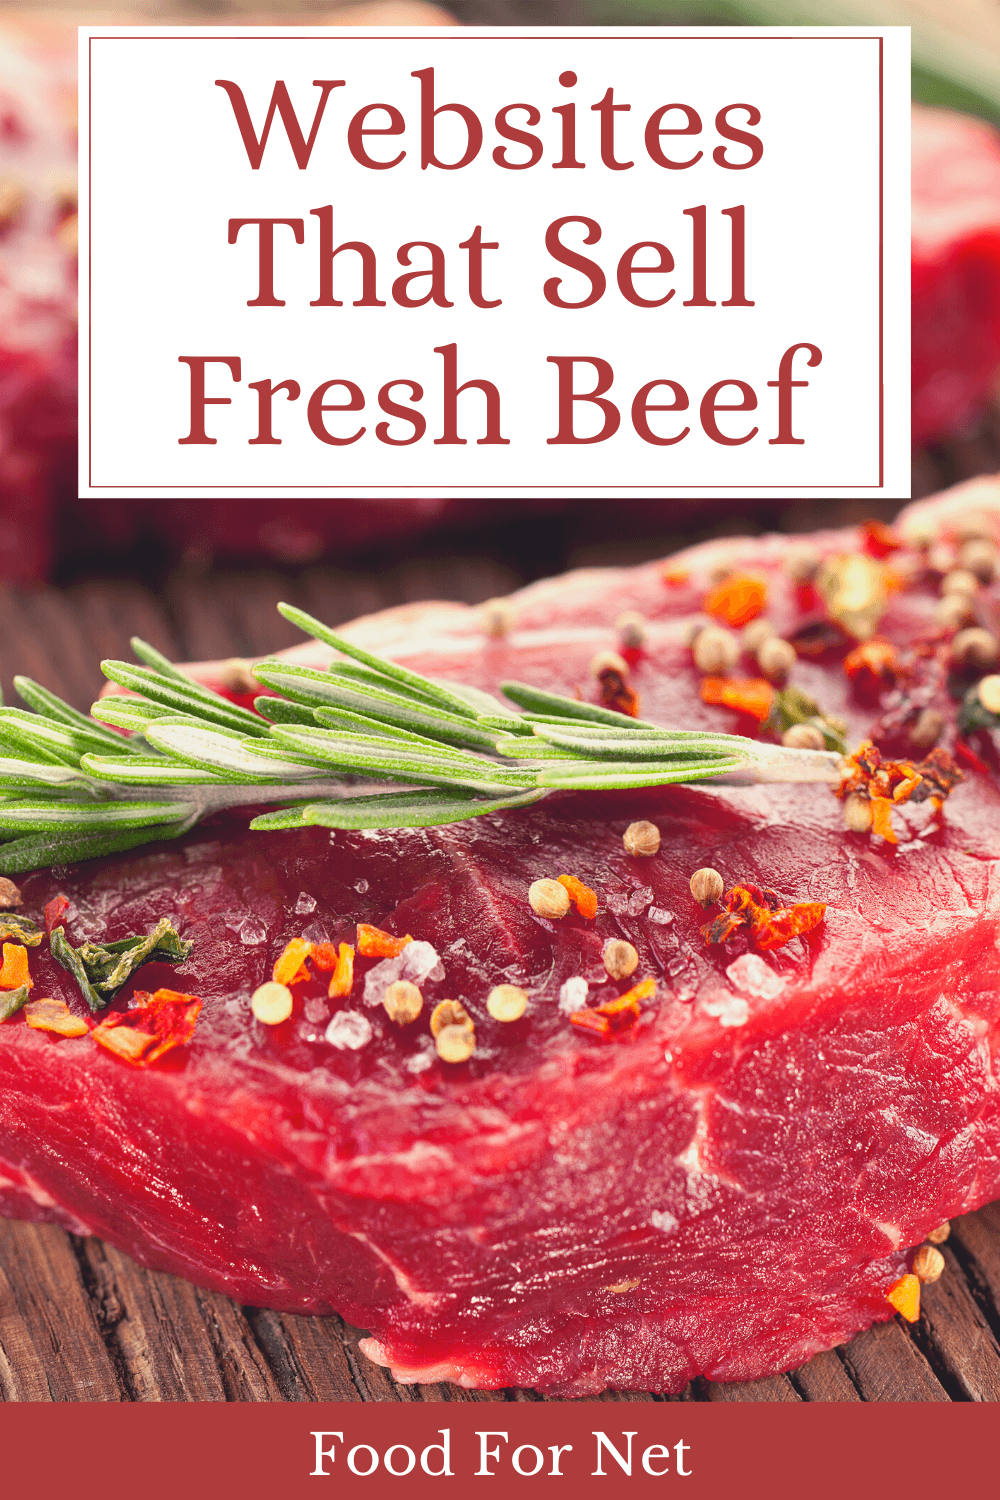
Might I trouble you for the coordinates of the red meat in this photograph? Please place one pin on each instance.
(725, 1187)
(955, 271)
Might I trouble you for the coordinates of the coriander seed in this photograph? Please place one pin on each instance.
(857, 813)
(716, 651)
(506, 1002)
(403, 1002)
(631, 629)
(271, 1003)
(620, 958)
(988, 692)
(497, 618)
(755, 634)
(776, 658)
(547, 898)
(707, 886)
(928, 1264)
(959, 581)
(455, 1044)
(928, 728)
(642, 838)
(975, 648)
(940, 1234)
(608, 661)
(10, 895)
(449, 1013)
(979, 555)
(952, 612)
(803, 737)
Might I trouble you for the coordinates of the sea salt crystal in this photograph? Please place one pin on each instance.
(419, 1062)
(751, 974)
(660, 916)
(618, 903)
(349, 1030)
(253, 932)
(305, 904)
(315, 933)
(726, 1008)
(573, 995)
(639, 900)
(361, 886)
(315, 1011)
(661, 1219)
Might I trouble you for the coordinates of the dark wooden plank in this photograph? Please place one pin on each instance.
(975, 1240)
(774, 1388)
(173, 1341)
(824, 1378)
(54, 1312)
(886, 1366)
(957, 1337)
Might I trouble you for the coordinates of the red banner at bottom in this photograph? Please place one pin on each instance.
(412, 1450)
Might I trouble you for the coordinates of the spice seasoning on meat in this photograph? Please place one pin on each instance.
(291, 966)
(403, 1002)
(271, 1003)
(763, 911)
(342, 979)
(928, 1264)
(617, 693)
(12, 1001)
(754, 697)
(10, 896)
(642, 839)
(54, 910)
(904, 1295)
(583, 898)
(14, 973)
(155, 1025)
(20, 930)
(506, 1002)
(374, 943)
(449, 1013)
(55, 1016)
(888, 783)
(737, 600)
(548, 898)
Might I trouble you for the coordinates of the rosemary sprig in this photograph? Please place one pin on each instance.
(367, 744)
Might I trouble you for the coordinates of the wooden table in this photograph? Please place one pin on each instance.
(79, 1321)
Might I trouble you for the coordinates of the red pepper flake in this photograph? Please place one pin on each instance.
(54, 912)
(754, 696)
(374, 943)
(770, 921)
(888, 783)
(156, 1025)
(873, 664)
(291, 966)
(737, 600)
(343, 974)
(14, 973)
(584, 899)
(324, 956)
(879, 539)
(617, 1014)
(617, 693)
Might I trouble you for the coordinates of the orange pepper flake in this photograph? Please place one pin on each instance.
(374, 943)
(55, 1016)
(737, 600)
(617, 1014)
(156, 1025)
(291, 966)
(343, 973)
(904, 1295)
(584, 899)
(770, 921)
(15, 967)
(882, 819)
(754, 696)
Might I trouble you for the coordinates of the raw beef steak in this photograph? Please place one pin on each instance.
(724, 1187)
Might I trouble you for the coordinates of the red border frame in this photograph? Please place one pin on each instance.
(450, 36)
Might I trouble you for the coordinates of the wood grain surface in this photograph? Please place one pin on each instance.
(80, 1321)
